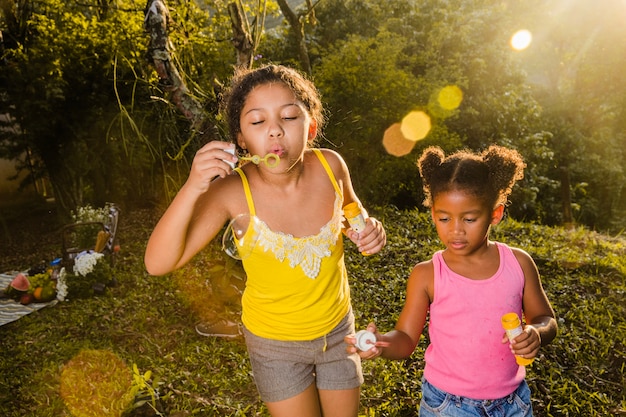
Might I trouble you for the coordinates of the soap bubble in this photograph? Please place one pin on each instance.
(238, 242)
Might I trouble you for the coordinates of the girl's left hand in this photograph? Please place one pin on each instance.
(526, 344)
(372, 239)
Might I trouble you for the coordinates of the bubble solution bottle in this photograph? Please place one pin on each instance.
(513, 327)
(365, 340)
(353, 214)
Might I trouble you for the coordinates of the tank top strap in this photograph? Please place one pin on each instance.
(246, 184)
(246, 189)
(329, 171)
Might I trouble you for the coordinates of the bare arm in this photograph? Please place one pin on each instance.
(541, 325)
(401, 342)
(196, 214)
(406, 335)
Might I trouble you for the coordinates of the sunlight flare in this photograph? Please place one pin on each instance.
(521, 40)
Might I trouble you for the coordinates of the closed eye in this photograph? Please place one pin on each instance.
(290, 116)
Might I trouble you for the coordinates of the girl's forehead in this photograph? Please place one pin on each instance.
(269, 95)
(457, 198)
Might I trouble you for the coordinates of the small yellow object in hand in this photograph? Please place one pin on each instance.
(271, 160)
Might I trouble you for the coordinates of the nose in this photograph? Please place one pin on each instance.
(275, 130)
(457, 227)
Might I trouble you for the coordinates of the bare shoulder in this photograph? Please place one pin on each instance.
(337, 165)
(334, 159)
(329, 153)
(424, 268)
(525, 260)
(422, 278)
(225, 195)
(229, 184)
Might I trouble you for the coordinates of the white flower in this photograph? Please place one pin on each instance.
(85, 262)
(90, 214)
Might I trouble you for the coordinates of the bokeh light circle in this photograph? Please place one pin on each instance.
(96, 383)
(415, 125)
(450, 97)
(395, 143)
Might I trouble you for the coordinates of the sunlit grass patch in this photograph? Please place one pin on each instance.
(96, 383)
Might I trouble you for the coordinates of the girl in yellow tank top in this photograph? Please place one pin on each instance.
(307, 274)
(296, 305)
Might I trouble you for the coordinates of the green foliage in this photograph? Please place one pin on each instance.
(60, 95)
(149, 321)
(398, 63)
(92, 115)
(527, 100)
(575, 76)
(367, 90)
(145, 391)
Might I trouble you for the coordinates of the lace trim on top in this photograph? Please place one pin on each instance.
(308, 251)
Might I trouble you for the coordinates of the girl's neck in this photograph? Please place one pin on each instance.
(481, 263)
(289, 176)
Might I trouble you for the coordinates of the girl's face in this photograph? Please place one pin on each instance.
(274, 121)
(463, 221)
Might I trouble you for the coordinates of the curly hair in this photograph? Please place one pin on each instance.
(245, 80)
(489, 175)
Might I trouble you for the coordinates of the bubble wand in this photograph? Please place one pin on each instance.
(271, 160)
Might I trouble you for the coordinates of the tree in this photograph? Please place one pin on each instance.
(297, 24)
(396, 60)
(100, 120)
(575, 70)
(87, 107)
(58, 88)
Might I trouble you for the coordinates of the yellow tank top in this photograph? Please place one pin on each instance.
(297, 288)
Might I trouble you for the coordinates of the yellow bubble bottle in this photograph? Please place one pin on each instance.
(353, 213)
(513, 327)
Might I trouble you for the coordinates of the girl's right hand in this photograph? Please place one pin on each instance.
(371, 353)
(211, 161)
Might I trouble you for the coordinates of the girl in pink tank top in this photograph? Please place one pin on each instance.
(471, 366)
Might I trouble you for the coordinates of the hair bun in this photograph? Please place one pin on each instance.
(431, 159)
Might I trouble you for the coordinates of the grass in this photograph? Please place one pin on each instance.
(148, 322)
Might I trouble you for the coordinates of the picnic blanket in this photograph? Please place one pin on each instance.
(11, 310)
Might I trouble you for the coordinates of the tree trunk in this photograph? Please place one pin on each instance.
(298, 29)
(157, 23)
(242, 40)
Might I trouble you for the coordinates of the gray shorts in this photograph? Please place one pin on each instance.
(283, 369)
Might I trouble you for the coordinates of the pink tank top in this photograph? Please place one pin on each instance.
(465, 356)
